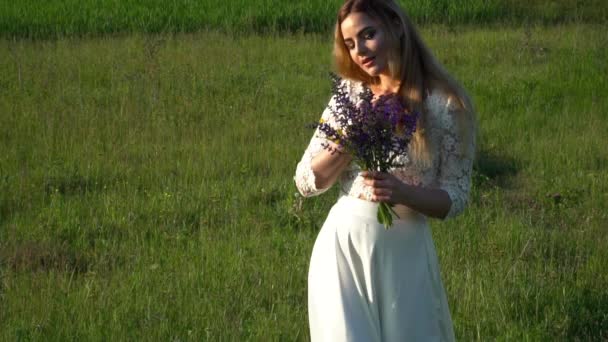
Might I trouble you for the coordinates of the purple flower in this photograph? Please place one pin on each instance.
(374, 132)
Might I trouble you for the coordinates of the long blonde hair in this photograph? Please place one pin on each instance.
(410, 61)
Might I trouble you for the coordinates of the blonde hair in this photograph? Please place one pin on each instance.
(410, 61)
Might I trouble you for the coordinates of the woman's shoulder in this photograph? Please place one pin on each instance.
(446, 111)
(440, 102)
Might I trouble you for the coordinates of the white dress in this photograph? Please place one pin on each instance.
(366, 283)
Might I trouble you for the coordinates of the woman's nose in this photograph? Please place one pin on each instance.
(361, 49)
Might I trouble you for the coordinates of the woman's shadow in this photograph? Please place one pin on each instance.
(492, 169)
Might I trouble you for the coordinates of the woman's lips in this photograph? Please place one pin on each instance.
(367, 62)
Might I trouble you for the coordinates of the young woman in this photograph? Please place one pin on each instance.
(366, 283)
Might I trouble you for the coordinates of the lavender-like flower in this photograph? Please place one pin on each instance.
(374, 132)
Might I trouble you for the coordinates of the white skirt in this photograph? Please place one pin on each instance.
(367, 284)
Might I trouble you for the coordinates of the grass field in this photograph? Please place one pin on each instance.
(146, 185)
(58, 18)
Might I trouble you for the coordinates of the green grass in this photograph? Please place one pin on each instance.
(146, 185)
(57, 18)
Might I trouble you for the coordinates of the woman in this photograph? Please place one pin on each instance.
(366, 283)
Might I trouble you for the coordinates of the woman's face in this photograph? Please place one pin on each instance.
(367, 43)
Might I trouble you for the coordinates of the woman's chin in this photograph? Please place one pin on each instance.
(373, 71)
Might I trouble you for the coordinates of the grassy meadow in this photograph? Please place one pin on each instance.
(58, 18)
(146, 187)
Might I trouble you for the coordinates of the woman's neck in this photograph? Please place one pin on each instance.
(386, 85)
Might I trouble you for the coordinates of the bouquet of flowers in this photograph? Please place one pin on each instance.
(375, 132)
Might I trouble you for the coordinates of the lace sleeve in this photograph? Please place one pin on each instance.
(457, 151)
(305, 177)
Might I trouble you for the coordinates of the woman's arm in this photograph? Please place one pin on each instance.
(318, 169)
(450, 195)
(427, 201)
(430, 202)
(327, 166)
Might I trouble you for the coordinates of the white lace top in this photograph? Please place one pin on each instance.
(450, 167)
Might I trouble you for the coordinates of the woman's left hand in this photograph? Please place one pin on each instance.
(385, 187)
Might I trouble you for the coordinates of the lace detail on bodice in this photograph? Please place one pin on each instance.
(449, 169)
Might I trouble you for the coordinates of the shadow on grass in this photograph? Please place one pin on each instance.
(589, 318)
(492, 169)
(8, 207)
(579, 315)
(72, 184)
(43, 256)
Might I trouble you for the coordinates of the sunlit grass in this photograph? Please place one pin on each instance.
(146, 185)
(59, 18)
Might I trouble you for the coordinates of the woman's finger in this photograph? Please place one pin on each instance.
(376, 183)
(382, 192)
(381, 198)
(364, 174)
(373, 174)
(380, 175)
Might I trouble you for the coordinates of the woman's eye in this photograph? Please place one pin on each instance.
(369, 34)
